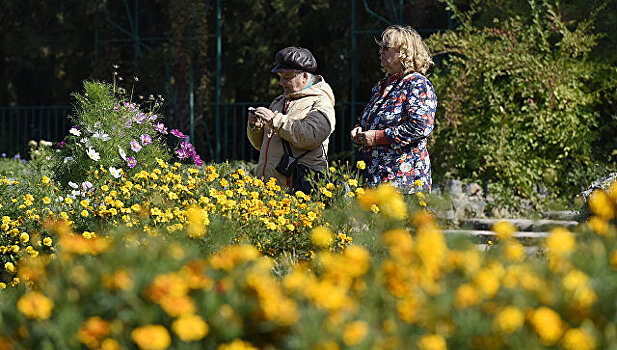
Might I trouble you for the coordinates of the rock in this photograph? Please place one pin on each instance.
(561, 214)
(453, 187)
(602, 183)
(521, 224)
(473, 189)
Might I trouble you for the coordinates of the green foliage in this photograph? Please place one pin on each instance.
(518, 101)
(11, 167)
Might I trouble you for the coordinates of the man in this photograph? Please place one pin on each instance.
(303, 116)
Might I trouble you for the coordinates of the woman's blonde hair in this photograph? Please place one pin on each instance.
(413, 52)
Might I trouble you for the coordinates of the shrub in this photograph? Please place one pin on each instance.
(518, 101)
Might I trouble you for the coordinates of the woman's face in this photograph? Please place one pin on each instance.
(389, 56)
(292, 81)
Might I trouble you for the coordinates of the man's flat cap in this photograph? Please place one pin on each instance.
(295, 58)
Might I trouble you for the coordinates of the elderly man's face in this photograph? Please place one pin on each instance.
(293, 81)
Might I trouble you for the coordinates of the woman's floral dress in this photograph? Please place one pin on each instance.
(405, 110)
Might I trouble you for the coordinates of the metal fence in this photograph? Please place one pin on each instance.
(216, 139)
(22, 124)
(226, 138)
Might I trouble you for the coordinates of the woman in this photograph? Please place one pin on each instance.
(394, 127)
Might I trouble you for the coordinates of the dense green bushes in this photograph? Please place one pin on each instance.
(519, 101)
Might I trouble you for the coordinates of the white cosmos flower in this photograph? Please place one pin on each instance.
(101, 135)
(75, 131)
(115, 172)
(94, 155)
(74, 185)
(68, 160)
(122, 153)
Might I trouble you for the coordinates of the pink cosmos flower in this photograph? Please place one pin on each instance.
(197, 160)
(177, 133)
(160, 127)
(135, 146)
(140, 118)
(131, 162)
(145, 139)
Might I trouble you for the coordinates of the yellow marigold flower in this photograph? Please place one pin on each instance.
(68, 200)
(504, 230)
(151, 337)
(598, 225)
(281, 220)
(84, 203)
(361, 165)
(325, 192)
(330, 186)
(408, 309)
(612, 191)
(574, 280)
(9, 267)
(84, 213)
(601, 205)
(355, 332)
(197, 222)
(237, 344)
(119, 280)
(92, 331)
(560, 242)
(547, 324)
(290, 227)
(46, 200)
(374, 208)
(321, 236)
(45, 180)
(391, 202)
(466, 296)
(110, 344)
(508, 320)
(514, 251)
(578, 339)
(24, 237)
(190, 328)
(47, 241)
(352, 182)
(35, 306)
(432, 342)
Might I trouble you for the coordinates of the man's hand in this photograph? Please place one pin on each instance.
(254, 121)
(264, 114)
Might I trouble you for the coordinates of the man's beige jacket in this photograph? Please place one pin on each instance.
(304, 118)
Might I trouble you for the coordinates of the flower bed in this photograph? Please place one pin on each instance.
(101, 254)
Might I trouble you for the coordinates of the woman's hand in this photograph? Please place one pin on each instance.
(264, 114)
(367, 138)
